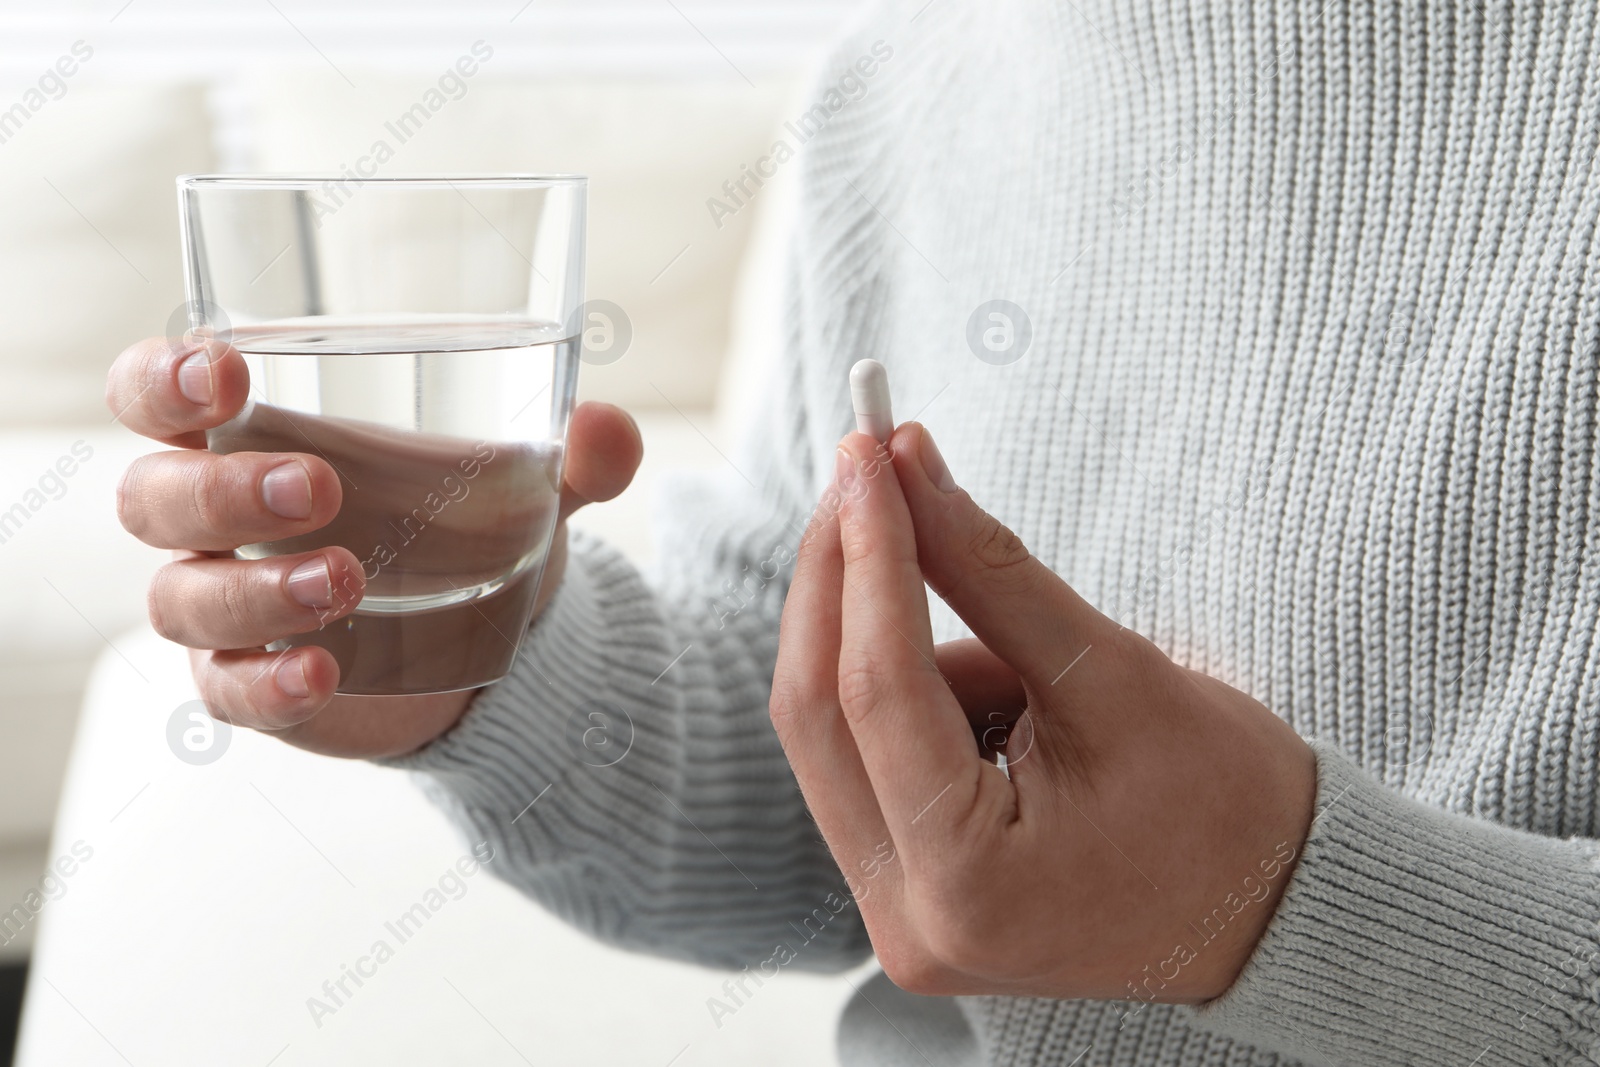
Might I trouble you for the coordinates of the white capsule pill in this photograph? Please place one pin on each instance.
(869, 394)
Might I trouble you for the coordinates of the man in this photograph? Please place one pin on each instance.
(1305, 412)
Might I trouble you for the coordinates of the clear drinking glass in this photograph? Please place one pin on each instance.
(420, 335)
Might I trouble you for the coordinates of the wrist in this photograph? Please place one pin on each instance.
(1224, 939)
(1280, 790)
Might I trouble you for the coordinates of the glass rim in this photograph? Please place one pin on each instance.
(316, 180)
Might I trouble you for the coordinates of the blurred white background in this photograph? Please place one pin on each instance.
(214, 900)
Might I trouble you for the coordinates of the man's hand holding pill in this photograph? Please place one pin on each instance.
(1138, 799)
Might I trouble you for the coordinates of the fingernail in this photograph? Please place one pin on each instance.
(194, 378)
(844, 467)
(311, 584)
(286, 490)
(934, 465)
(291, 677)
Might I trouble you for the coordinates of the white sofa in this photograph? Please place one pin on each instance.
(87, 263)
(192, 911)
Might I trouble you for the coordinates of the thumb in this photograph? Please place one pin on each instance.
(1015, 605)
(603, 453)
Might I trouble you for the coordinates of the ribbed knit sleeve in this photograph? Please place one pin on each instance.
(1410, 935)
(694, 843)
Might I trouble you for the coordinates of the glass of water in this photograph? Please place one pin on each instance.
(419, 334)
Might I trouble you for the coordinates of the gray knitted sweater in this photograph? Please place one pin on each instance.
(1307, 395)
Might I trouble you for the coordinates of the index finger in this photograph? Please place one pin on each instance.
(914, 738)
(175, 390)
(1014, 604)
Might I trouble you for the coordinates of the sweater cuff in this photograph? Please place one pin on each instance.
(1408, 934)
(549, 713)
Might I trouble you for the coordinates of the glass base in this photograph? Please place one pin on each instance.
(460, 646)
